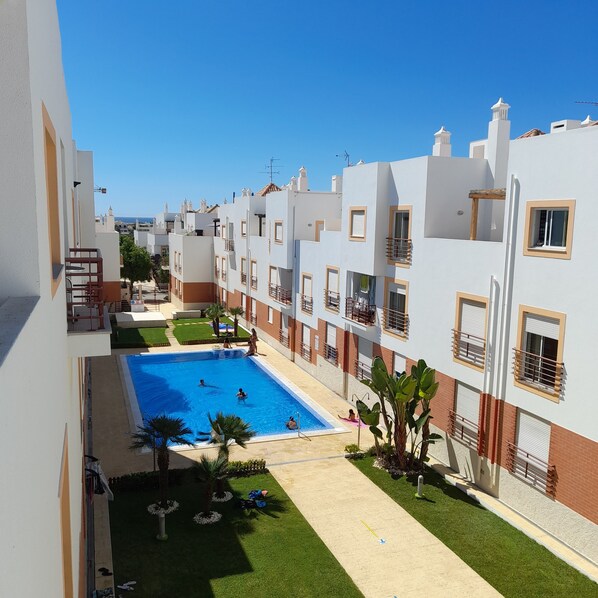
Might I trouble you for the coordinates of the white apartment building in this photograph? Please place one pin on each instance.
(52, 315)
(475, 264)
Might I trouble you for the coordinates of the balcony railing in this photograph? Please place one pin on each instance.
(364, 313)
(464, 430)
(396, 321)
(399, 250)
(330, 354)
(332, 300)
(224, 275)
(279, 294)
(363, 371)
(468, 347)
(254, 282)
(307, 304)
(84, 290)
(243, 278)
(253, 319)
(216, 272)
(283, 337)
(539, 372)
(306, 352)
(528, 467)
(229, 245)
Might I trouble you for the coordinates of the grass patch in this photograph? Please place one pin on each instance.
(129, 338)
(271, 553)
(505, 557)
(200, 329)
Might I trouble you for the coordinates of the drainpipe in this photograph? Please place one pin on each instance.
(489, 358)
(293, 287)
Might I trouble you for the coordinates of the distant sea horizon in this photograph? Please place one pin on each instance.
(131, 219)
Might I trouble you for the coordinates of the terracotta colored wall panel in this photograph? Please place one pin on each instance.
(111, 291)
(198, 292)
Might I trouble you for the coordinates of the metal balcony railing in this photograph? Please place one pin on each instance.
(307, 304)
(306, 352)
(363, 371)
(332, 300)
(330, 354)
(253, 319)
(84, 290)
(217, 272)
(243, 278)
(399, 250)
(279, 294)
(464, 430)
(468, 347)
(229, 245)
(254, 282)
(528, 467)
(224, 275)
(283, 337)
(395, 321)
(364, 313)
(539, 372)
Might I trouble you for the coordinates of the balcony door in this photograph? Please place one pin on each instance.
(541, 346)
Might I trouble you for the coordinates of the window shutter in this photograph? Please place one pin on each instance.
(365, 351)
(473, 318)
(307, 286)
(542, 326)
(331, 335)
(467, 402)
(533, 436)
(306, 335)
(333, 280)
(358, 223)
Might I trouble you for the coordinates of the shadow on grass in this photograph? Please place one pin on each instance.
(431, 478)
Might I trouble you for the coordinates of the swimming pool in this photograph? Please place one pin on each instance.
(168, 383)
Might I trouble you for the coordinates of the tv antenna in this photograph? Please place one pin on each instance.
(346, 157)
(270, 168)
(584, 102)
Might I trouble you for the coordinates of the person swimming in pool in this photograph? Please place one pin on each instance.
(202, 382)
(291, 424)
(241, 395)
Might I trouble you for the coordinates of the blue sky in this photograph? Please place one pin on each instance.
(189, 99)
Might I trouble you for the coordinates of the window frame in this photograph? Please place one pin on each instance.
(387, 282)
(531, 207)
(277, 224)
(243, 228)
(352, 210)
(460, 297)
(391, 226)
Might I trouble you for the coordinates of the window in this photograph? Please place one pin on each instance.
(549, 228)
(270, 315)
(306, 343)
(469, 334)
(319, 227)
(332, 296)
(396, 320)
(400, 364)
(538, 360)
(278, 231)
(464, 419)
(398, 248)
(244, 301)
(307, 303)
(357, 224)
(253, 274)
(223, 268)
(243, 228)
(330, 350)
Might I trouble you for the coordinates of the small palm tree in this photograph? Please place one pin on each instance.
(236, 312)
(210, 471)
(158, 433)
(215, 312)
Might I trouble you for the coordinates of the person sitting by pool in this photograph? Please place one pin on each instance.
(352, 417)
(291, 424)
(202, 382)
(226, 344)
(241, 395)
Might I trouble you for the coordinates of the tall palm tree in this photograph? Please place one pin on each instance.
(215, 312)
(210, 471)
(158, 433)
(236, 312)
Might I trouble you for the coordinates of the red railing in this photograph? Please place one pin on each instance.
(229, 245)
(395, 321)
(540, 372)
(330, 354)
(364, 313)
(528, 467)
(283, 337)
(254, 282)
(279, 294)
(253, 319)
(363, 371)
(306, 352)
(332, 300)
(243, 278)
(217, 272)
(399, 250)
(307, 304)
(464, 430)
(84, 290)
(468, 347)
(224, 275)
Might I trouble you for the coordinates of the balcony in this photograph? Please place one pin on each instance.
(361, 312)
(279, 294)
(253, 319)
(229, 245)
(363, 371)
(223, 275)
(469, 348)
(332, 300)
(331, 354)
(254, 282)
(307, 304)
(306, 352)
(538, 372)
(283, 337)
(217, 272)
(396, 322)
(529, 468)
(399, 250)
(464, 431)
(243, 278)
(88, 325)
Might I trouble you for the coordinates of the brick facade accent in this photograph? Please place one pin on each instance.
(198, 292)
(507, 428)
(352, 352)
(272, 329)
(322, 335)
(111, 290)
(386, 354)
(576, 461)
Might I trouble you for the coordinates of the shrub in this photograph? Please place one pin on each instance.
(240, 469)
(145, 480)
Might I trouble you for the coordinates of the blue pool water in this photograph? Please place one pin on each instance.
(168, 384)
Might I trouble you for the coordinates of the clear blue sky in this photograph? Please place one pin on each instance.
(189, 98)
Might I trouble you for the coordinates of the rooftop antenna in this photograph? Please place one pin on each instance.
(270, 168)
(346, 157)
(585, 102)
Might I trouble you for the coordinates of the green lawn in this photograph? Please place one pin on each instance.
(200, 329)
(138, 337)
(510, 561)
(272, 553)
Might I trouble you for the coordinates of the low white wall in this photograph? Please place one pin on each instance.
(329, 375)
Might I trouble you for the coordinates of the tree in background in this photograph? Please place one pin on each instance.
(137, 263)
(215, 312)
(236, 312)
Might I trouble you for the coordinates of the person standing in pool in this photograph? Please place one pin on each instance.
(241, 395)
(291, 424)
(202, 382)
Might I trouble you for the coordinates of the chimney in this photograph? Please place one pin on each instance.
(499, 131)
(337, 183)
(302, 183)
(442, 143)
(293, 183)
(166, 207)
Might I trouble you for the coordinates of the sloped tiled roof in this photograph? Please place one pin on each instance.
(269, 188)
(531, 133)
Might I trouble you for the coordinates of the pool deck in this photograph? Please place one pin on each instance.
(348, 511)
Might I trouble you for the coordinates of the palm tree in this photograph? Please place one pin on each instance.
(210, 471)
(215, 312)
(158, 433)
(236, 312)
